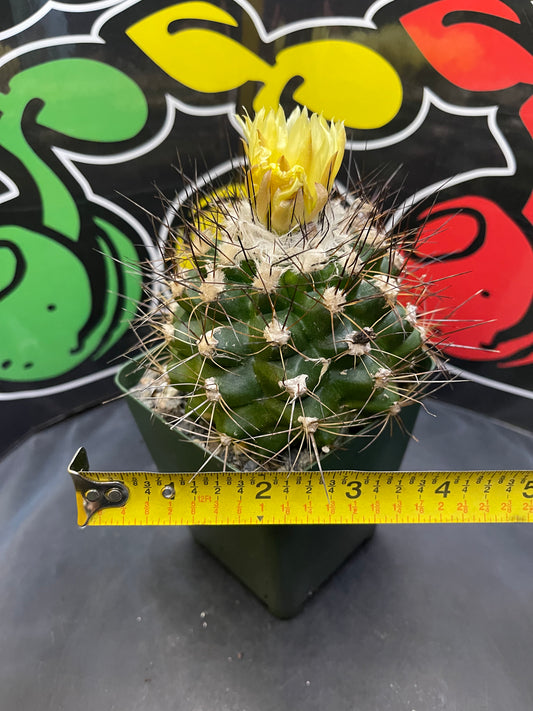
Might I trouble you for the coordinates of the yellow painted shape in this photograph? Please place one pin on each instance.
(203, 60)
(342, 80)
(210, 214)
(299, 498)
(208, 218)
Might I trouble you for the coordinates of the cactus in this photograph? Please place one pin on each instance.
(283, 328)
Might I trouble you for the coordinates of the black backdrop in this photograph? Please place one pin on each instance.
(107, 106)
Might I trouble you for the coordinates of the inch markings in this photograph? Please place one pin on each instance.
(229, 498)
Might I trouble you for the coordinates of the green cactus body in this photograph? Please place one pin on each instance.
(280, 347)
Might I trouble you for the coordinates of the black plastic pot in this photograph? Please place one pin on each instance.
(282, 564)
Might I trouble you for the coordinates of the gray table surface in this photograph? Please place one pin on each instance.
(423, 618)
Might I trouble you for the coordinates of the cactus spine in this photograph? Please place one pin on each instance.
(284, 328)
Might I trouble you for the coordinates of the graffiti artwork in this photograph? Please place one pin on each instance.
(98, 100)
(481, 224)
(68, 291)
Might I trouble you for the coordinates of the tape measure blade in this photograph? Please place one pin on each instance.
(262, 498)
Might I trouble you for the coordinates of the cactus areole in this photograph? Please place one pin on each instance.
(284, 327)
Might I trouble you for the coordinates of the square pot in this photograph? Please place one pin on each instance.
(282, 564)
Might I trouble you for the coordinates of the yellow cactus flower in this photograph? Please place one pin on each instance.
(292, 164)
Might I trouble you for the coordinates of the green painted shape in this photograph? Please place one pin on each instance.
(59, 208)
(83, 99)
(126, 300)
(42, 316)
(8, 267)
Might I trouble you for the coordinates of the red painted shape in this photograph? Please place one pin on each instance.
(526, 342)
(528, 208)
(526, 114)
(471, 55)
(498, 8)
(477, 294)
(440, 239)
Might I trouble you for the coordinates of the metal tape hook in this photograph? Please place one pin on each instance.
(93, 495)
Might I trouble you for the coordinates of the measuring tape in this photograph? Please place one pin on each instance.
(244, 498)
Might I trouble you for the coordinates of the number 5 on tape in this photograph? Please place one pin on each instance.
(246, 498)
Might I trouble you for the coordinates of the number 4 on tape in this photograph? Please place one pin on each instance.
(261, 498)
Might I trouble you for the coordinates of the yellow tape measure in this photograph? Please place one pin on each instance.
(229, 498)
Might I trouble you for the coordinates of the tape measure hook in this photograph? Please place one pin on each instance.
(95, 494)
(79, 463)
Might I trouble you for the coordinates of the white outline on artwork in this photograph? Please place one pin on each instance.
(67, 158)
(174, 105)
(205, 179)
(53, 5)
(12, 188)
(508, 169)
(54, 389)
